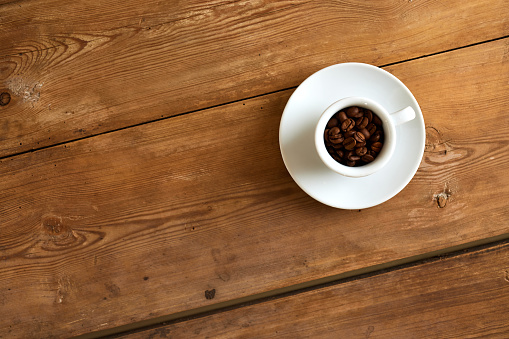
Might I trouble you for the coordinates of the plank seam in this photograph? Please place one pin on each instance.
(477, 247)
(445, 51)
(228, 103)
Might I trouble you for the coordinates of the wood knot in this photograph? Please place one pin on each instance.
(54, 226)
(442, 200)
(5, 98)
(58, 235)
(54, 234)
(370, 330)
(435, 141)
(210, 294)
(442, 197)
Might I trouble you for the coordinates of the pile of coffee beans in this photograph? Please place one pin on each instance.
(354, 136)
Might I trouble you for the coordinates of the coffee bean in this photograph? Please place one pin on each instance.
(341, 116)
(354, 136)
(360, 151)
(347, 125)
(354, 112)
(367, 158)
(333, 122)
(368, 114)
(335, 136)
(349, 134)
(349, 143)
(376, 120)
(376, 146)
(334, 131)
(354, 157)
(365, 132)
(371, 128)
(359, 137)
(376, 136)
(361, 122)
(360, 144)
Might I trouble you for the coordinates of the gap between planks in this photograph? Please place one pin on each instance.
(363, 273)
(235, 101)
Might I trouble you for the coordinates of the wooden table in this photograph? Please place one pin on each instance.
(143, 193)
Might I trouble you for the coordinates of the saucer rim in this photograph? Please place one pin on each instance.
(410, 173)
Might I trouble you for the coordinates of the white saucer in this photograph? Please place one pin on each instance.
(296, 133)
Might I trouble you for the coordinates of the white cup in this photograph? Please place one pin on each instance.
(389, 123)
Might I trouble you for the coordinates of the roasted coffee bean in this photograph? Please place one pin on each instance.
(354, 136)
(376, 146)
(376, 120)
(367, 158)
(341, 116)
(354, 112)
(366, 133)
(333, 122)
(371, 128)
(368, 114)
(359, 137)
(338, 141)
(349, 143)
(360, 151)
(335, 136)
(326, 135)
(376, 136)
(353, 157)
(361, 123)
(349, 134)
(334, 131)
(347, 125)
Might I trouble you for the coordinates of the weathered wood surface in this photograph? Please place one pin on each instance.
(139, 223)
(460, 297)
(80, 68)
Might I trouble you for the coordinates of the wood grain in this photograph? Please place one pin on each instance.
(140, 223)
(80, 68)
(459, 297)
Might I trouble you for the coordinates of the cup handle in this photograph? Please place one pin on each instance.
(402, 116)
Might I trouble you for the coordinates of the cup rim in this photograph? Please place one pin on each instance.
(389, 143)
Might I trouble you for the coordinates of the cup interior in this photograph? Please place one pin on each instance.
(389, 137)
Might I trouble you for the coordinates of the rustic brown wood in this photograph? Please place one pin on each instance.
(141, 222)
(459, 297)
(80, 68)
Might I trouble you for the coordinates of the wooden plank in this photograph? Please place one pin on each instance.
(460, 297)
(79, 68)
(141, 222)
